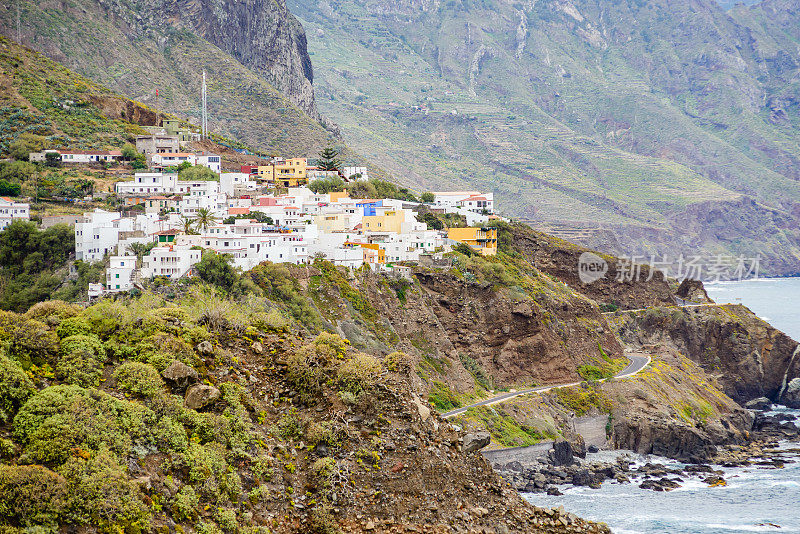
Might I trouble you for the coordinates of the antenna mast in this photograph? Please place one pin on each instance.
(205, 111)
(19, 23)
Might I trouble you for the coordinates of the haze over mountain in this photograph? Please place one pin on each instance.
(672, 124)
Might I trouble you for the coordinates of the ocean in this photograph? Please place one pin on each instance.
(755, 499)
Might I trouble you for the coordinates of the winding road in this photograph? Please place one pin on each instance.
(638, 361)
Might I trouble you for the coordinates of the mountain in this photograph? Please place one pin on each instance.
(658, 127)
(259, 73)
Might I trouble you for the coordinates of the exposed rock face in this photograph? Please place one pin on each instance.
(750, 358)
(475, 442)
(693, 290)
(560, 259)
(179, 374)
(791, 396)
(261, 34)
(201, 395)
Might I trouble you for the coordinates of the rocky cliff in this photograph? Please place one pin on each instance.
(748, 357)
(254, 53)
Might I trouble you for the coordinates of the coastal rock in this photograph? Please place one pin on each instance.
(475, 442)
(200, 395)
(791, 396)
(179, 374)
(760, 403)
(562, 453)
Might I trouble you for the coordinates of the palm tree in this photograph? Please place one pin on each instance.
(204, 219)
(187, 225)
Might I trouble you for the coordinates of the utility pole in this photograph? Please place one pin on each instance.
(204, 126)
(19, 23)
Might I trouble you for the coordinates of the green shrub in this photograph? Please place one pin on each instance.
(138, 378)
(102, 494)
(210, 472)
(359, 374)
(80, 367)
(442, 397)
(31, 495)
(83, 343)
(185, 504)
(15, 388)
(582, 400)
(59, 419)
(306, 371)
(52, 312)
(73, 326)
(271, 321)
(28, 341)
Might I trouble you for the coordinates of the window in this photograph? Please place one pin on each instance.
(117, 276)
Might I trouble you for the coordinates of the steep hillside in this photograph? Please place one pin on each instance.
(649, 119)
(145, 415)
(260, 76)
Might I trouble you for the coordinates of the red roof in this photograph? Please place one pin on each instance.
(92, 152)
(238, 211)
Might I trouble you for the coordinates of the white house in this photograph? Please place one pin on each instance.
(147, 184)
(119, 274)
(231, 183)
(11, 211)
(356, 174)
(172, 261)
(98, 234)
(212, 161)
(78, 156)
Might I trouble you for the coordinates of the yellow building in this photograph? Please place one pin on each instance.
(336, 196)
(390, 221)
(288, 173)
(333, 222)
(483, 239)
(373, 253)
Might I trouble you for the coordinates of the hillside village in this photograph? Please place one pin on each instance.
(279, 210)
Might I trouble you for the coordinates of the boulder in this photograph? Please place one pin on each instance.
(562, 453)
(200, 395)
(761, 403)
(475, 442)
(179, 374)
(424, 411)
(791, 396)
(205, 348)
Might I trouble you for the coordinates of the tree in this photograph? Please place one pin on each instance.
(328, 160)
(188, 226)
(327, 185)
(26, 143)
(17, 171)
(216, 269)
(140, 250)
(254, 215)
(427, 197)
(205, 218)
(7, 189)
(136, 159)
(197, 172)
(52, 159)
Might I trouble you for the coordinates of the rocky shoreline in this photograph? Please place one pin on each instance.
(569, 464)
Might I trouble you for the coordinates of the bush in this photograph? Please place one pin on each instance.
(398, 362)
(197, 172)
(208, 468)
(81, 368)
(15, 388)
(73, 326)
(185, 504)
(359, 374)
(9, 189)
(139, 378)
(84, 344)
(102, 494)
(58, 420)
(31, 495)
(24, 144)
(271, 321)
(52, 312)
(28, 341)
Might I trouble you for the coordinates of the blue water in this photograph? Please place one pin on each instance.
(776, 300)
(755, 499)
